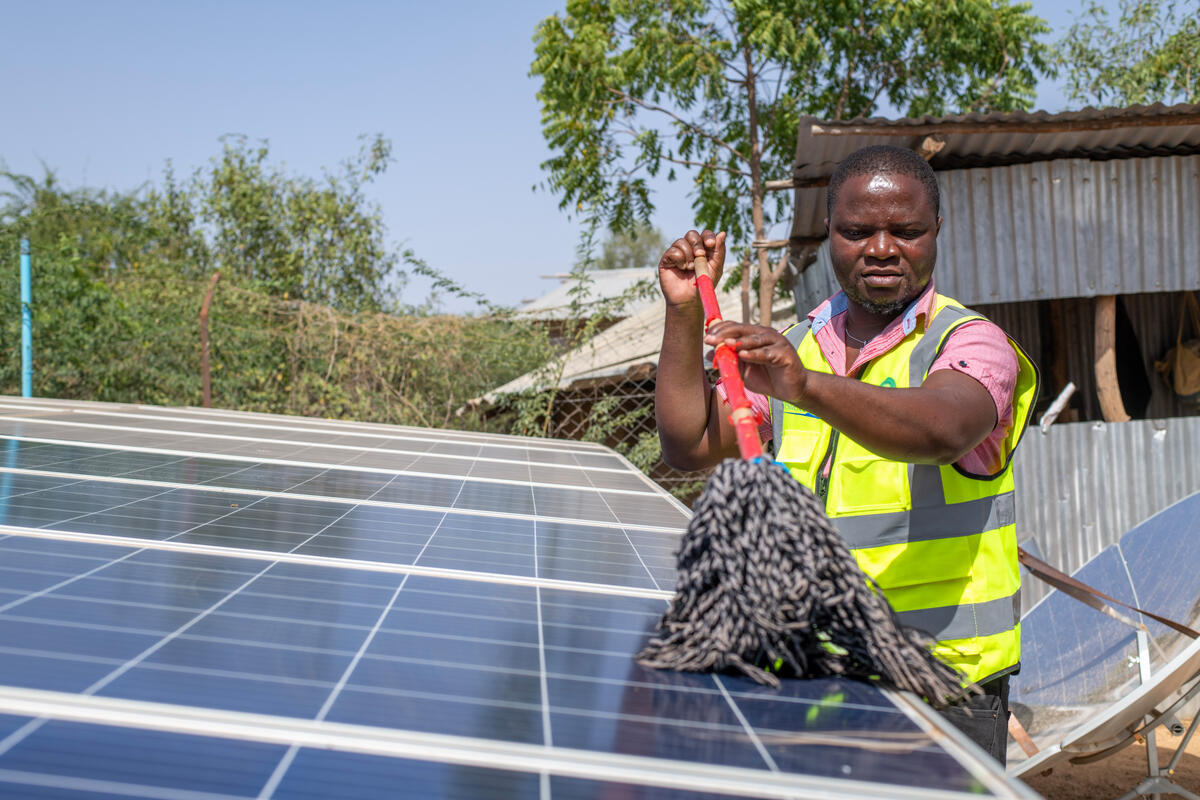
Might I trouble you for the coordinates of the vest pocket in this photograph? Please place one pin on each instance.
(798, 450)
(962, 653)
(864, 483)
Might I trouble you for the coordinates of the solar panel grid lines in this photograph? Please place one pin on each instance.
(285, 763)
(254, 641)
(544, 792)
(350, 495)
(525, 442)
(14, 738)
(386, 467)
(337, 563)
(659, 601)
(418, 445)
(365, 463)
(391, 435)
(261, 421)
(348, 738)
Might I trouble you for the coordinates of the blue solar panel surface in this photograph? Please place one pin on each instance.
(1078, 662)
(199, 604)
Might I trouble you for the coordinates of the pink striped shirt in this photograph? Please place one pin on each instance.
(978, 348)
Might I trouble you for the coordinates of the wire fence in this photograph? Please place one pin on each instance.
(620, 415)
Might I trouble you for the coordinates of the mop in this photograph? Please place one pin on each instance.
(766, 587)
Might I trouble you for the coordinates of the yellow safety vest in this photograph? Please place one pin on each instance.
(941, 543)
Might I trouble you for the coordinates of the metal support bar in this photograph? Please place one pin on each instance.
(26, 323)
(1187, 737)
(1153, 787)
(1152, 768)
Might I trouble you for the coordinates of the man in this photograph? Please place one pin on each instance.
(896, 405)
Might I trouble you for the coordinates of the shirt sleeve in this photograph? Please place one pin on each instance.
(979, 348)
(761, 405)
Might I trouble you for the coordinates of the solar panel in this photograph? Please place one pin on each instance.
(212, 604)
(1080, 667)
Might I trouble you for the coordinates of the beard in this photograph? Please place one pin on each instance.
(890, 308)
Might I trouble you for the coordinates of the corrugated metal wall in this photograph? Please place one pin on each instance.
(1068, 228)
(1081, 485)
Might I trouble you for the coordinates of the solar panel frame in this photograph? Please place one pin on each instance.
(579, 567)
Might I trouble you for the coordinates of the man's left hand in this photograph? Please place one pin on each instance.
(768, 362)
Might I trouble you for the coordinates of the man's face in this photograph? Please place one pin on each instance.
(883, 241)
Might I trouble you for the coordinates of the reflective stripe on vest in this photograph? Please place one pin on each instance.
(941, 543)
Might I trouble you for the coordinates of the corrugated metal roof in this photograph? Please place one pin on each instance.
(602, 285)
(988, 140)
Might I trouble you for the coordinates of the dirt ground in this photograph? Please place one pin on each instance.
(1113, 777)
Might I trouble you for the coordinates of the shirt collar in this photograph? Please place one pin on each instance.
(918, 310)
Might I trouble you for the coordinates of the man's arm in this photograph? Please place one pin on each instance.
(692, 426)
(936, 423)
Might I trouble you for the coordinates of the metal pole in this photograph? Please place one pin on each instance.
(26, 324)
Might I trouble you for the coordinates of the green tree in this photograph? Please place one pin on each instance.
(118, 280)
(1150, 54)
(322, 241)
(633, 88)
(640, 247)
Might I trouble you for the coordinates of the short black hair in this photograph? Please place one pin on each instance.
(884, 159)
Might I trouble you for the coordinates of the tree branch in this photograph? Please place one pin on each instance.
(979, 104)
(698, 130)
(782, 264)
(707, 164)
(845, 93)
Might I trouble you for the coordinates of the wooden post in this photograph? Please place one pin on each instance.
(1059, 370)
(205, 379)
(1108, 389)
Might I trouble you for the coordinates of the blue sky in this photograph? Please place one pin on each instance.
(105, 92)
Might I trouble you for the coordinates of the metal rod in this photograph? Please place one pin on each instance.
(26, 323)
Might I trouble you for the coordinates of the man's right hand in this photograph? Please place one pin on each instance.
(676, 276)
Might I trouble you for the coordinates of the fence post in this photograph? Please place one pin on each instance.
(26, 323)
(205, 378)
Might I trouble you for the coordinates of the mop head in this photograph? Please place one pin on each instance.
(766, 586)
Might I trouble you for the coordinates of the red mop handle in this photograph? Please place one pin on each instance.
(743, 416)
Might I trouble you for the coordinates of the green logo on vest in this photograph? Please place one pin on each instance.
(889, 383)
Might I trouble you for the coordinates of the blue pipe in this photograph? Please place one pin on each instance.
(26, 323)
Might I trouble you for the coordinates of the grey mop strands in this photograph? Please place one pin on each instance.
(765, 582)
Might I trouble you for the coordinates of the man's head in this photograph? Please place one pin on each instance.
(883, 223)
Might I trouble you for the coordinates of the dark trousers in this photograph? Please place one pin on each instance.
(984, 718)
